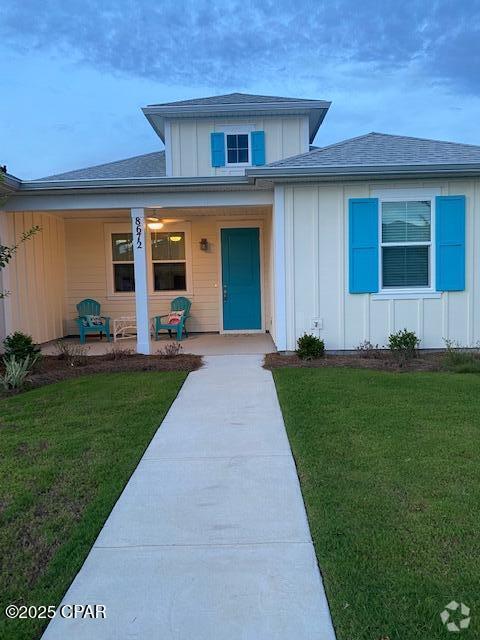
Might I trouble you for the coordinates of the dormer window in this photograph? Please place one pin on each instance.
(237, 148)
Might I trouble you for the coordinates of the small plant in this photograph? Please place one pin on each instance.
(21, 346)
(74, 354)
(119, 353)
(310, 347)
(403, 345)
(368, 350)
(459, 359)
(170, 350)
(16, 372)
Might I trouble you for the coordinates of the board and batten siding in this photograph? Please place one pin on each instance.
(316, 247)
(87, 264)
(35, 277)
(190, 141)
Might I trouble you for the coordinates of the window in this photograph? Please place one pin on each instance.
(237, 148)
(122, 259)
(406, 244)
(169, 261)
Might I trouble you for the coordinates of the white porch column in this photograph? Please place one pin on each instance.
(279, 269)
(141, 281)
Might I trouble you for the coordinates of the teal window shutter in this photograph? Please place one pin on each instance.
(450, 243)
(258, 148)
(363, 245)
(217, 141)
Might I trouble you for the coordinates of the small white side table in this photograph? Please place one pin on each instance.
(124, 327)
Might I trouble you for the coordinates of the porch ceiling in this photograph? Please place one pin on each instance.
(183, 213)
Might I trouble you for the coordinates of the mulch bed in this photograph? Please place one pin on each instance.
(384, 361)
(54, 368)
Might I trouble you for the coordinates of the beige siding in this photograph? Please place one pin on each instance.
(35, 277)
(87, 264)
(316, 222)
(190, 141)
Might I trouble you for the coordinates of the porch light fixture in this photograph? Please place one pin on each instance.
(203, 244)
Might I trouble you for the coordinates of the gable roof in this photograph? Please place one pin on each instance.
(231, 98)
(149, 165)
(383, 149)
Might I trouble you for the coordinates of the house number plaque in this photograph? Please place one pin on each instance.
(138, 232)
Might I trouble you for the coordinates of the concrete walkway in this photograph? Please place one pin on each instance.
(209, 540)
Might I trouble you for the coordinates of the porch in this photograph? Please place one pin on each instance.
(134, 262)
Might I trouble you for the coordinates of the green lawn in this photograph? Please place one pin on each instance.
(67, 450)
(390, 471)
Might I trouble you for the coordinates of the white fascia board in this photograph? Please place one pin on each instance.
(129, 199)
(362, 172)
(207, 109)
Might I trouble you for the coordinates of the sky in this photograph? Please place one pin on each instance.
(74, 74)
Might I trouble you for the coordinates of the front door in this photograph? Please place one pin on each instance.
(241, 279)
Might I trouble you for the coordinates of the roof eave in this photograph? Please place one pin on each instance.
(298, 174)
(9, 184)
(108, 184)
(156, 114)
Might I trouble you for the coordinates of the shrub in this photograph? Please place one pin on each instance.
(310, 347)
(21, 346)
(403, 345)
(170, 350)
(119, 353)
(16, 372)
(74, 354)
(368, 350)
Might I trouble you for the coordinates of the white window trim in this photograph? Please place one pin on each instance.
(126, 227)
(172, 227)
(238, 130)
(109, 228)
(406, 195)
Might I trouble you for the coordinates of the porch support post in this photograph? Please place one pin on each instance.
(279, 270)
(141, 283)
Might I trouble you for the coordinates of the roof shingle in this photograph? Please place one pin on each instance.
(229, 99)
(382, 149)
(149, 165)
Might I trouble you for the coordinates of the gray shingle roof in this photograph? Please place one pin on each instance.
(382, 149)
(231, 98)
(149, 165)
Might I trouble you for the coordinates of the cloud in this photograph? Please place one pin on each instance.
(237, 43)
(75, 73)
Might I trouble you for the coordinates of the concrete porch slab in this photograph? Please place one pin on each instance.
(203, 344)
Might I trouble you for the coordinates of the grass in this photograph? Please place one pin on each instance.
(389, 468)
(67, 451)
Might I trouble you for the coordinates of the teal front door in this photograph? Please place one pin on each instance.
(241, 279)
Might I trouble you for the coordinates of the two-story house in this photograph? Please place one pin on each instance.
(260, 230)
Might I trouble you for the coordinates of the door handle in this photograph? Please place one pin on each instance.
(225, 295)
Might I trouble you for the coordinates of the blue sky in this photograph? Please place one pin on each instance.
(75, 73)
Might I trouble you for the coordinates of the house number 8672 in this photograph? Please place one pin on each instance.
(138, 232)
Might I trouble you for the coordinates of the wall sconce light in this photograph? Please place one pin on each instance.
(203, 244)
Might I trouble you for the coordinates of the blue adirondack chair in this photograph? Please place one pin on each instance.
(90, 321)
(178, 304)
